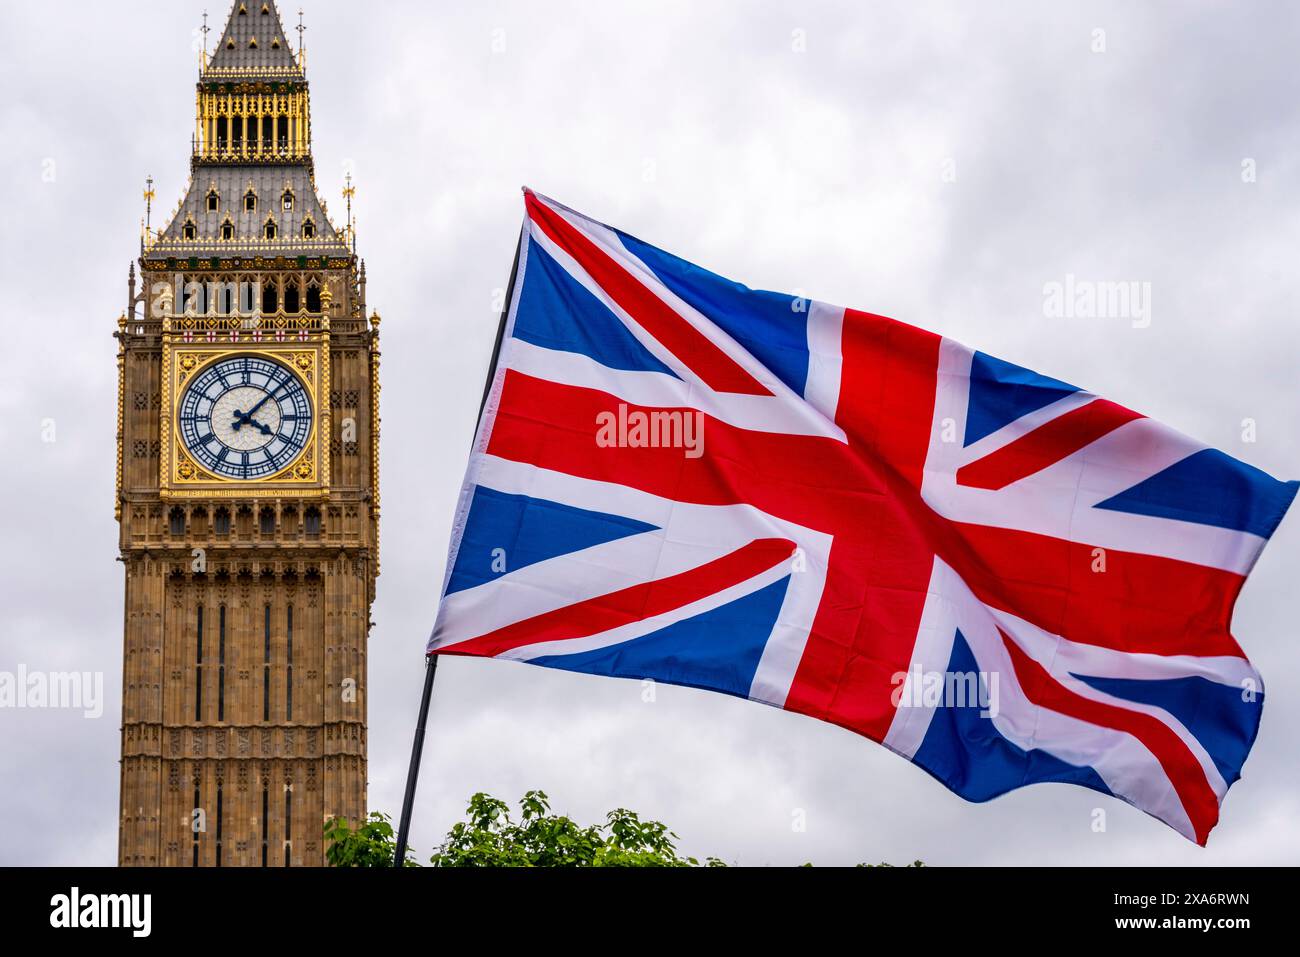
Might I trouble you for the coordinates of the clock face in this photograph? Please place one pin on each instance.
(245, 417)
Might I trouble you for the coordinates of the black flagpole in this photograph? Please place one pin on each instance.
(431, 661)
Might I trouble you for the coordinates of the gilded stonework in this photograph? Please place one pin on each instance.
(180, 478)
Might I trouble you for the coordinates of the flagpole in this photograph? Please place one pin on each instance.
(431, 661)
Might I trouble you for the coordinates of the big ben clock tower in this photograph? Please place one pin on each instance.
(248, 496)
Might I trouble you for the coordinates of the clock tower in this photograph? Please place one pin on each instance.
(247, 481)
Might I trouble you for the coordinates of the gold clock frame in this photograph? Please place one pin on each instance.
(307, 476)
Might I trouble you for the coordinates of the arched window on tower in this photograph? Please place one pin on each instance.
(189, 230)
(250, 202)
(194, 845)
(288, 664)
(220, 814)
(270, 297)
(221, 664)
(313, 298)
(288, 822)
(266, 664)
(198, 667)
(268, 230)
(266, 521)
(287, 200)
(311, 522)
(176, 521)
(266, 813)
(227, 229)
(291, 304)
(308, 229)
(221, 522)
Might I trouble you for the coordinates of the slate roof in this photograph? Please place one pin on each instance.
(232, 183)
(253, 40)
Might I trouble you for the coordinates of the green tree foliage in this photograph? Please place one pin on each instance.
(372, 844)
(490, 837)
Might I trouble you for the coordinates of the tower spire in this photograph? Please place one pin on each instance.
(251, 161)
(253, 43)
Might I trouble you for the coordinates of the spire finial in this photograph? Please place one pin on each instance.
(348, 192)
(148, 201)
(302, 42)
(204, 31)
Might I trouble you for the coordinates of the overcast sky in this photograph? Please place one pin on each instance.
(939, 163)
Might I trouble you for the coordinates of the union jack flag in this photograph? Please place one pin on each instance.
(872, 518)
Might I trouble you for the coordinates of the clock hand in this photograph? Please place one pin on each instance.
(265, 398)
(246, 418)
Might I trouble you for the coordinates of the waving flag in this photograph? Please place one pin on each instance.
(997, 575)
